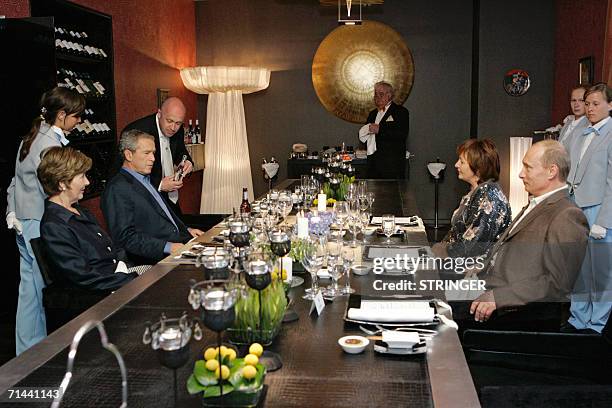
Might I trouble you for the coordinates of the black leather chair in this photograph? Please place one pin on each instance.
(62, 301)
(542, 368)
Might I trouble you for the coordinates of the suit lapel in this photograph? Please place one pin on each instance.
(387, 113)
(142, 190)
(536, 212)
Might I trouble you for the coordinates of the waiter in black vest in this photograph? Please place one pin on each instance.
(167, 127)
(385, 134)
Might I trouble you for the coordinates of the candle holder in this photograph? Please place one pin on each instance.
(170, 337)
(217, 299)
(258, 277)
(280, 244)
(215, 265)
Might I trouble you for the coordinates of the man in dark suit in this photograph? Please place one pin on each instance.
(167, 127)
(538, 257)
(138, 217)
(385, 134)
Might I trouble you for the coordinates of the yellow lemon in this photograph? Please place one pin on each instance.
(284, 275)
(274, 275)
(231, 354)
(251, 359)
(212, 365)
(210, 353)
(256, 349)
(224, 351)
(224, 372)
(249, 372)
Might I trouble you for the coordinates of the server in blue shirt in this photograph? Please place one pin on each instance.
(60, 112)
(138, 217)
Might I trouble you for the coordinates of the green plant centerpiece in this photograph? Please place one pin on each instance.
(336, 188)
(246, 328)
(235, 375)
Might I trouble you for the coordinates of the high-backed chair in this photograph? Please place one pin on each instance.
(540, 366)
(62, 301)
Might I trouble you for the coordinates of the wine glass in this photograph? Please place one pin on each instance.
(371, 197)
(348, 257)
(351, 193)
(362, 189)
(285, 205)
(314, 257)
(365, 221)
(341, 212)
(388, 225)
(334, 267)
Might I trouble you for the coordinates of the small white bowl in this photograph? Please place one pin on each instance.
(360, 269)
(353, 344)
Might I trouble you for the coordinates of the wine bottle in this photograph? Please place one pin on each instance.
(189, 135)
(198, 132)
(245, 207)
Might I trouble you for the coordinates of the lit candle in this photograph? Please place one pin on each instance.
(302, 226)
(322, 202)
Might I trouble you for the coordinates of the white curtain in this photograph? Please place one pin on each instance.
(227, 164)
(518, 196)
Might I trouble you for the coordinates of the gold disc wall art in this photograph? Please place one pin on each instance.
(351, 59)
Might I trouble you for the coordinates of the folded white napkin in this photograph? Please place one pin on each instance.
(400, 339)
(398, 220)
(369, 138)
(393, 311)
(390, 119)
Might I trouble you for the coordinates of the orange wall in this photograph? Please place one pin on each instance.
(152, 40)
(580, 32)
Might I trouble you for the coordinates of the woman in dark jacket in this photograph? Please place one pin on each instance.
(80, 251)
(483, 213)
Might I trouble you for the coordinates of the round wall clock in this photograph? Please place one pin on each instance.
(516, 82)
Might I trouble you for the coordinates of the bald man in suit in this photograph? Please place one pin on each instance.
(539, 256)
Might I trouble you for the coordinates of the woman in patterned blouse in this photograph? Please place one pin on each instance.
(484, 212)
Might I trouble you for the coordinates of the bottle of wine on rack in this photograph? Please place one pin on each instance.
(198, 132)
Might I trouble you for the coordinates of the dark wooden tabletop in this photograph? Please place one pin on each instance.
(315, 372)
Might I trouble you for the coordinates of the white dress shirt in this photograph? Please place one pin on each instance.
(535, 201)
(166, 160)
(370, 138)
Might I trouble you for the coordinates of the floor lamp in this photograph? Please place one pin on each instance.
(227, 166)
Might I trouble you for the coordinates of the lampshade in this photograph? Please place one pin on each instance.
(518, 195)
(227, 164)
(207, 80)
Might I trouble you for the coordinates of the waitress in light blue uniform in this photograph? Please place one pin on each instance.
(590, 180)
(61, 110)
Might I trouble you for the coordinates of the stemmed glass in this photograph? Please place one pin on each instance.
(334, 266)
(285, 204)
(362, 189)
(370, 198)
(354, 221)
(351, 193)
(365, 221)
(348, 257)
(341, 212)
(314, 257)
(388, 226)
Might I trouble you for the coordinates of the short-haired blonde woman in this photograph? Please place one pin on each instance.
(80, 251)
(483, 213)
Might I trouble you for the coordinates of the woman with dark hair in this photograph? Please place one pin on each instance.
(80, 251)
(483, 213)
(590, 180)
(61, 110)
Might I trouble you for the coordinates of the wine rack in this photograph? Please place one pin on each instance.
(84, 62)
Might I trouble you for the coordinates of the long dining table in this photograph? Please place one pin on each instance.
(315, 372)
